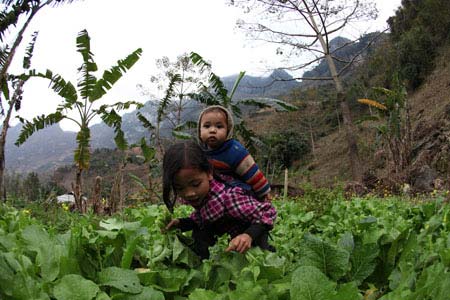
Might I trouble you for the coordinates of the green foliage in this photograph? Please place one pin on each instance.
(418, 29)
(124, 280)
(73, 287)
(32, 187)
(38, 123)
(309, 283)
(415, 55)
(283, 149)
(329, 259)
(29, 51)
(389, 248)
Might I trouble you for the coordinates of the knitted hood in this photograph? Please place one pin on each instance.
(230, 123)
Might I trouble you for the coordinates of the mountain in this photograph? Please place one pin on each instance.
(52, 147)
(45, 150)
(278, 83)
(345, 50)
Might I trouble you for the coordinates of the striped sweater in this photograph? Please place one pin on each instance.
(232, 159)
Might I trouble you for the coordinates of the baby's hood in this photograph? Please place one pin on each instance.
(230, 122)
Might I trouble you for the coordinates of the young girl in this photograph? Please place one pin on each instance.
(219, 208)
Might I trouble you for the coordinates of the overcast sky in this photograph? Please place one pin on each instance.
(160, 28)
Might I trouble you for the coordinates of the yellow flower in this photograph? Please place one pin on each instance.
(26, 211)
(373, 103)
(65, 206)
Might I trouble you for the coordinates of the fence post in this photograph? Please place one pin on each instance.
(286, 185)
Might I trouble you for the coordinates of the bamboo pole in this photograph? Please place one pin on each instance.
(286, 185)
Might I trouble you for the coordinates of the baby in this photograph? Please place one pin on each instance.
(227, 155)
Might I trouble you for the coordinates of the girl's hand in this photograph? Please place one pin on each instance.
(240, 243)
(173, 223)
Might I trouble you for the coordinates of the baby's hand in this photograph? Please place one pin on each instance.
(267, 197)
(240, 243)
(172, 224)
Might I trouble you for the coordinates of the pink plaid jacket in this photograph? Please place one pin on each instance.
(233, 209)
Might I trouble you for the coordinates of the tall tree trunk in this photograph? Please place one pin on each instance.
(2, 156)
(355, 162)
(350, 132)
(96, 201)
(311, 134)
(5, 127)
(116, 197)
(77, 191)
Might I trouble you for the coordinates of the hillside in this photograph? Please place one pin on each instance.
(430, 118)
(318, 152)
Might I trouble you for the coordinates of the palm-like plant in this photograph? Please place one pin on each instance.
(395, 132)
(215, 93)
(90, 90)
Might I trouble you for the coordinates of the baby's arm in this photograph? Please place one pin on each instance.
(247, 169)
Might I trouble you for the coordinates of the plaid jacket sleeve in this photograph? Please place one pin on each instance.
(235, 203)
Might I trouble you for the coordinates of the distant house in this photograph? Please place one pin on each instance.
(67, 198)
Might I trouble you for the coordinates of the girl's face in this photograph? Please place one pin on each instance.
(213, 128)
(192, 185)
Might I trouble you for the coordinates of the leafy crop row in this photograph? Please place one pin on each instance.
(361, 249)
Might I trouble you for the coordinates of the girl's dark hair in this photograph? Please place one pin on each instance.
(187, 154)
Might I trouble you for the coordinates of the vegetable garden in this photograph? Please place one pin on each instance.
(367, 248)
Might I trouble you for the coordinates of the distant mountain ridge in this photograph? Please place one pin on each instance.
(52, 147)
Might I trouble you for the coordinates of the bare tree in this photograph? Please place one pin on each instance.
(303, 29)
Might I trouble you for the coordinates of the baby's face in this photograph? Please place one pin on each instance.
(213, 129)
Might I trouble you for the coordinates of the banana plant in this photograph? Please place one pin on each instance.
(83, 101)
(395, 131)
(215, 93)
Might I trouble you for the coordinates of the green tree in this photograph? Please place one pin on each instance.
(418, 29)
(90, 91)
(282, 149)
(32, 187)
(12, 12)
(13, 184)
